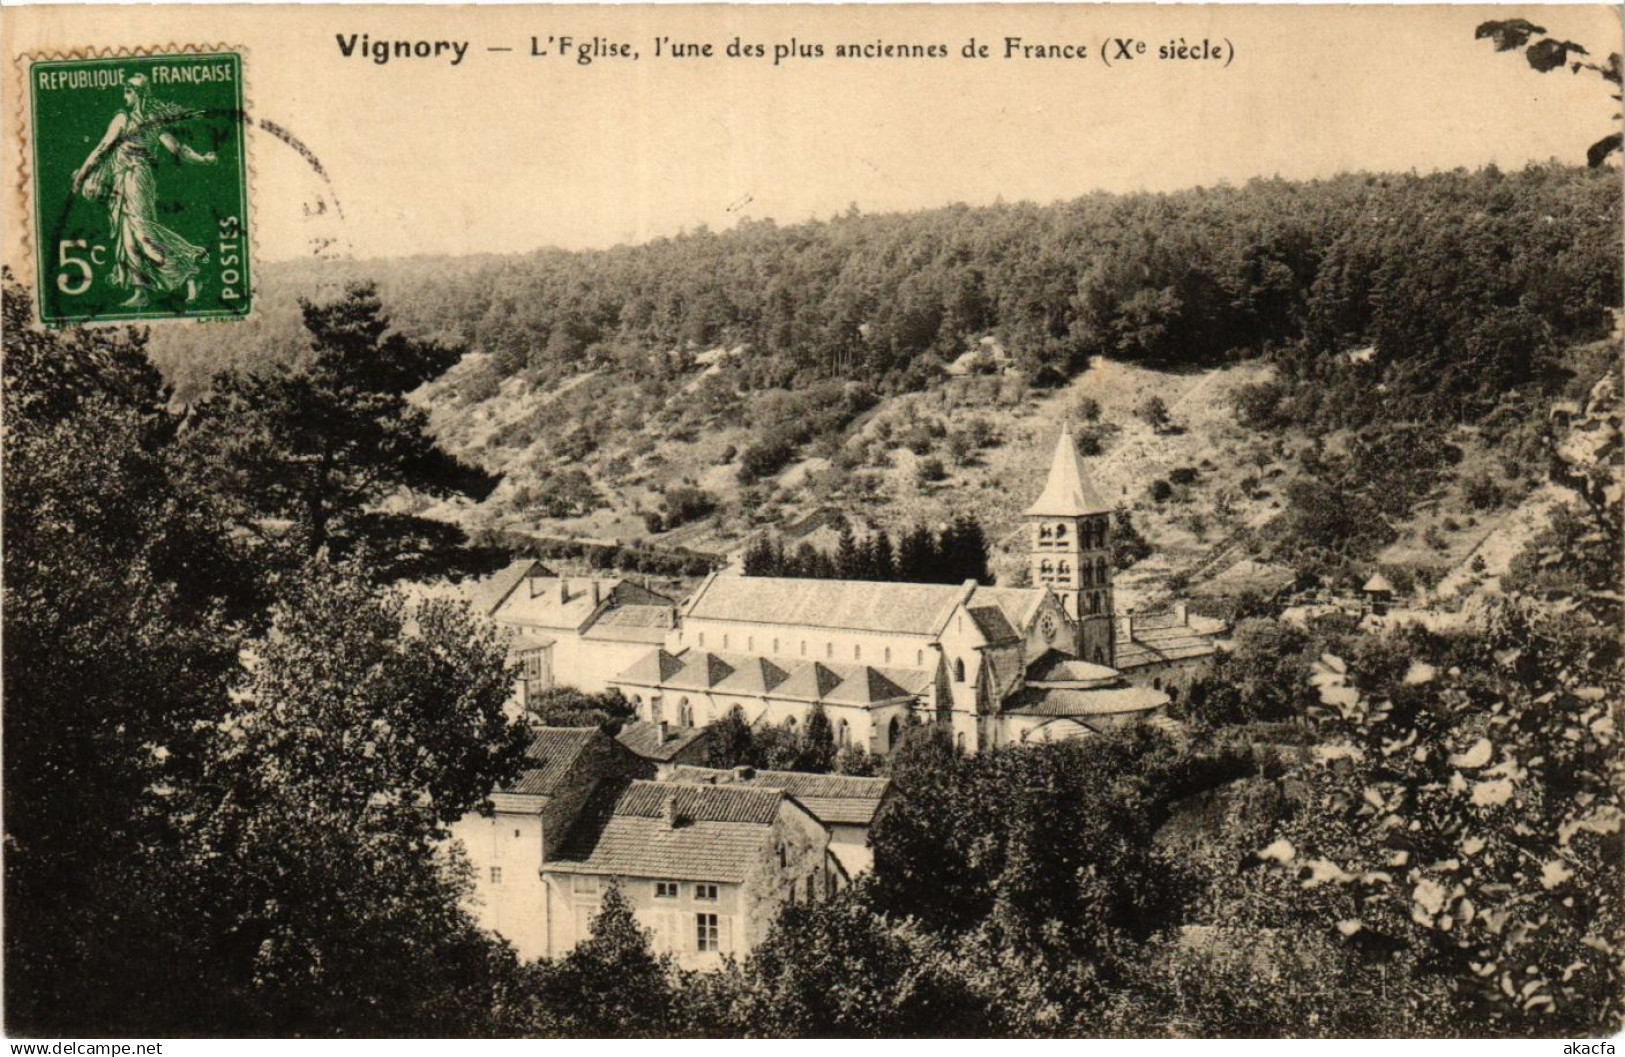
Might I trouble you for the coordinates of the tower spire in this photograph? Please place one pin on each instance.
(1068, 492)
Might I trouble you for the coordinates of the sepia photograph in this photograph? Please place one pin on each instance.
(989, 521)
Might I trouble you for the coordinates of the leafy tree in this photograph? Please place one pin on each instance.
(837, 969)
(565, 706)
(1128, 545)
(323, 442)
(317, 828)
(1263, 678)
(1549, 53)
(126, 605)
(610, 985)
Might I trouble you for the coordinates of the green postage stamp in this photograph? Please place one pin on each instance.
(140, 187)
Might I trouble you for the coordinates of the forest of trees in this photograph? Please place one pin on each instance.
(1462, 282)
(956, 553)
(1408, 833)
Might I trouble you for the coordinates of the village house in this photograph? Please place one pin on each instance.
(528, 823)
(704, 867)
(845, 805)
(665, 745)
(587, 627)
(705, 863)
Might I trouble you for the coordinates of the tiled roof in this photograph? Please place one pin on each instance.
(1053, 666)
(741, 673)
(865, 686)
(553, 602)
(646, 740)
(1158, 638)
(810, 682)
(1068, 492)
(633, 623)
(652, 669)
(549, 757)
(1020, 604)
(994, 625)
(721, 832)
(1072, 703)
(486, 594)
(753, 675)
(701, 671)
(639, 616)
(856, 605)
(830, 798)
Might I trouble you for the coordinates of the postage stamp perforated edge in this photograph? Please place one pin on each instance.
(24, 198)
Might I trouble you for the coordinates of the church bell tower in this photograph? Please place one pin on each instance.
(1070, 550)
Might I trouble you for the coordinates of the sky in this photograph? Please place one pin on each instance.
(505, 152)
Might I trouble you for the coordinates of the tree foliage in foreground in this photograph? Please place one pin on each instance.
(320, 443)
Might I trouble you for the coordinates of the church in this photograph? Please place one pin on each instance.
(994, 666)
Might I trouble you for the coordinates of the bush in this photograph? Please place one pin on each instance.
(1161, 491)
(1482, 492)
(929, 470)
(764, 459)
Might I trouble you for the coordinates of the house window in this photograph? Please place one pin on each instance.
(685, 713)
(843, 735)
(812, 893)
(750, 644)
(516, 833)
(829, 650)
(705, 932)
(781, 856)
(724, 642)
(665, 889)
(804, 647)
(857, 653)
(1044, 532)
(959, 741)
(583, 884)
(959, 669)
(706, 893)
(702, 638)
(496, 874)
(654, 710)
(919, 658)
(775, 647)
(1060, 532)
(888, 654)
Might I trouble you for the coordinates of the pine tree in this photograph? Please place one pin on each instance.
(817, 743)
(882, 561)
(918, 558)
(848, 557)
(323, 442)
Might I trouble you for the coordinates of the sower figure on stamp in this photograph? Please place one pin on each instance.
(147, 256)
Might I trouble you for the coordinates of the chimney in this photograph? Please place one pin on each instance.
(661, 726)
(1182, 612)
(744, 774)
(671, 810)
(596, 596)
(564, 591)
